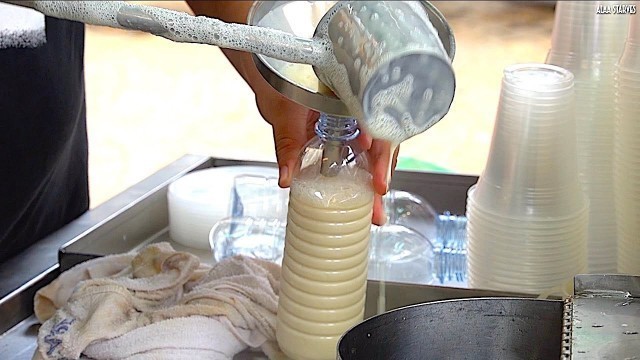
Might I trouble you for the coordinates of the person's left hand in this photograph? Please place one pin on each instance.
(290, 135)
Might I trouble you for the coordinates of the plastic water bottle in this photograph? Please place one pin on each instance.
(450, 250)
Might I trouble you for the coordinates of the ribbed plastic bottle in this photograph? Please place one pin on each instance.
(324, 269)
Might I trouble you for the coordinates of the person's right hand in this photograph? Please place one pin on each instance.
(289, 133)
(293, 125)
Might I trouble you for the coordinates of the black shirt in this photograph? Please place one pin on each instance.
(43, 137)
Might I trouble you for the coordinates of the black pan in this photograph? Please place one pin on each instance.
(481, 328)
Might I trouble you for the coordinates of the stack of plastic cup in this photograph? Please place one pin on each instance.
(588, 42)
(627, 152)
(527, 216)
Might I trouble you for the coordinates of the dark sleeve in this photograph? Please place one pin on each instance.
(43, 137)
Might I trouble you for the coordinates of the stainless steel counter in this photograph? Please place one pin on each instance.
(605, 324)
(139, 215)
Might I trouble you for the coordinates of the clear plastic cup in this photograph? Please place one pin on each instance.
(524, 157)
(630, 59)
(537, 238)
(199, 199)
(627, 79)
(523, 263)
(552, 269)
(628, 73)
(516, 257)
(483, 265)
(531, 220)
(633, 36)
(579, 29)
(259, 197)
(505, 280)
(260, 238)
(627, 147)
(534, 240)
(590, 45)
(539, 245)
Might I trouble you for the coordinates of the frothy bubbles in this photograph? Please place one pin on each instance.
(345, 190)
(397, 83)
(182, 27)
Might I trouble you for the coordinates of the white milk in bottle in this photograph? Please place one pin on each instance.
(324, 270)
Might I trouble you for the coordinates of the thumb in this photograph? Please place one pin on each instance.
(290, 136)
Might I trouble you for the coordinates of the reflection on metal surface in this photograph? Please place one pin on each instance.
(298, 81)
(489, 328)
(138, 216)
(606, 317)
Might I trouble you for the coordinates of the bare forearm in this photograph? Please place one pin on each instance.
(228, 11)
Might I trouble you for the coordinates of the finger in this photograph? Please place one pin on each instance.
(395, 160)
(312, 119)
(289, 140)
(380, 156)
(364, 140)
(290, 123)
(379, 217)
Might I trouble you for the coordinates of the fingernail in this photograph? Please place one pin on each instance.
(284, 175)
(383, 218)
(387, 180)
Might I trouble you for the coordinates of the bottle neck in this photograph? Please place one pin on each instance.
(336, 128)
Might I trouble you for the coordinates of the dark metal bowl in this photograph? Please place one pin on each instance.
(480, 328)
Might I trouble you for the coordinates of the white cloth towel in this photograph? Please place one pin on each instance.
(21, 27)
(159, 304)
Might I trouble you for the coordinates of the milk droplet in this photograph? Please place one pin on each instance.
(357, 63)
(427, 95)
(395, 73)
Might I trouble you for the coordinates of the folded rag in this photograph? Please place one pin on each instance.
(21, 27)
(159, 304)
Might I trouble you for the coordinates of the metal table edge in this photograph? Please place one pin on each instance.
(25, 273)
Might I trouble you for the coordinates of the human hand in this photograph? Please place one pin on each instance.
(291, 136)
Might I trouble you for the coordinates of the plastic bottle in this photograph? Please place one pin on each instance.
(324, 269)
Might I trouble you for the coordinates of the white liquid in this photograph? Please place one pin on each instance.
(324, 270)
(394, 126)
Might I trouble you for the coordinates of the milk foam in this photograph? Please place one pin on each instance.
(359, 56)
(386, 116)
(182, 27)
(346, 190)
(20, 27)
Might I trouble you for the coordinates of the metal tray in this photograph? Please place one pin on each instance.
(139, 216)
(603, 319)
